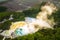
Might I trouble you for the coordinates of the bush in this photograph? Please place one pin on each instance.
(3, 8)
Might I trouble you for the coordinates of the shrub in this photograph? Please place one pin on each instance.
(3, 8)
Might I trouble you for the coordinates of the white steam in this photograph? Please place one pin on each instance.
(32, 25)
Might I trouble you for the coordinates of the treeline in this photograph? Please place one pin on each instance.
(44, 34)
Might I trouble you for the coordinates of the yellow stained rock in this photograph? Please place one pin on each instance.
(17, 25)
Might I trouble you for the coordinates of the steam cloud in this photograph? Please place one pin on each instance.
(32, 25)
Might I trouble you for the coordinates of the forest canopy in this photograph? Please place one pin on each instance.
(44, 34)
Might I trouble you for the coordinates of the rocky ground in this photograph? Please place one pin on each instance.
(16, 5)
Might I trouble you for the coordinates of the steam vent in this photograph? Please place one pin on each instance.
(29, 20)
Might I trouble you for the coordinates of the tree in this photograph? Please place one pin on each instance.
(3, 8)
(44, 34)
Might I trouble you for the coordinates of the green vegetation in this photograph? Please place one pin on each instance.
(3, 8)
(44, 34)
